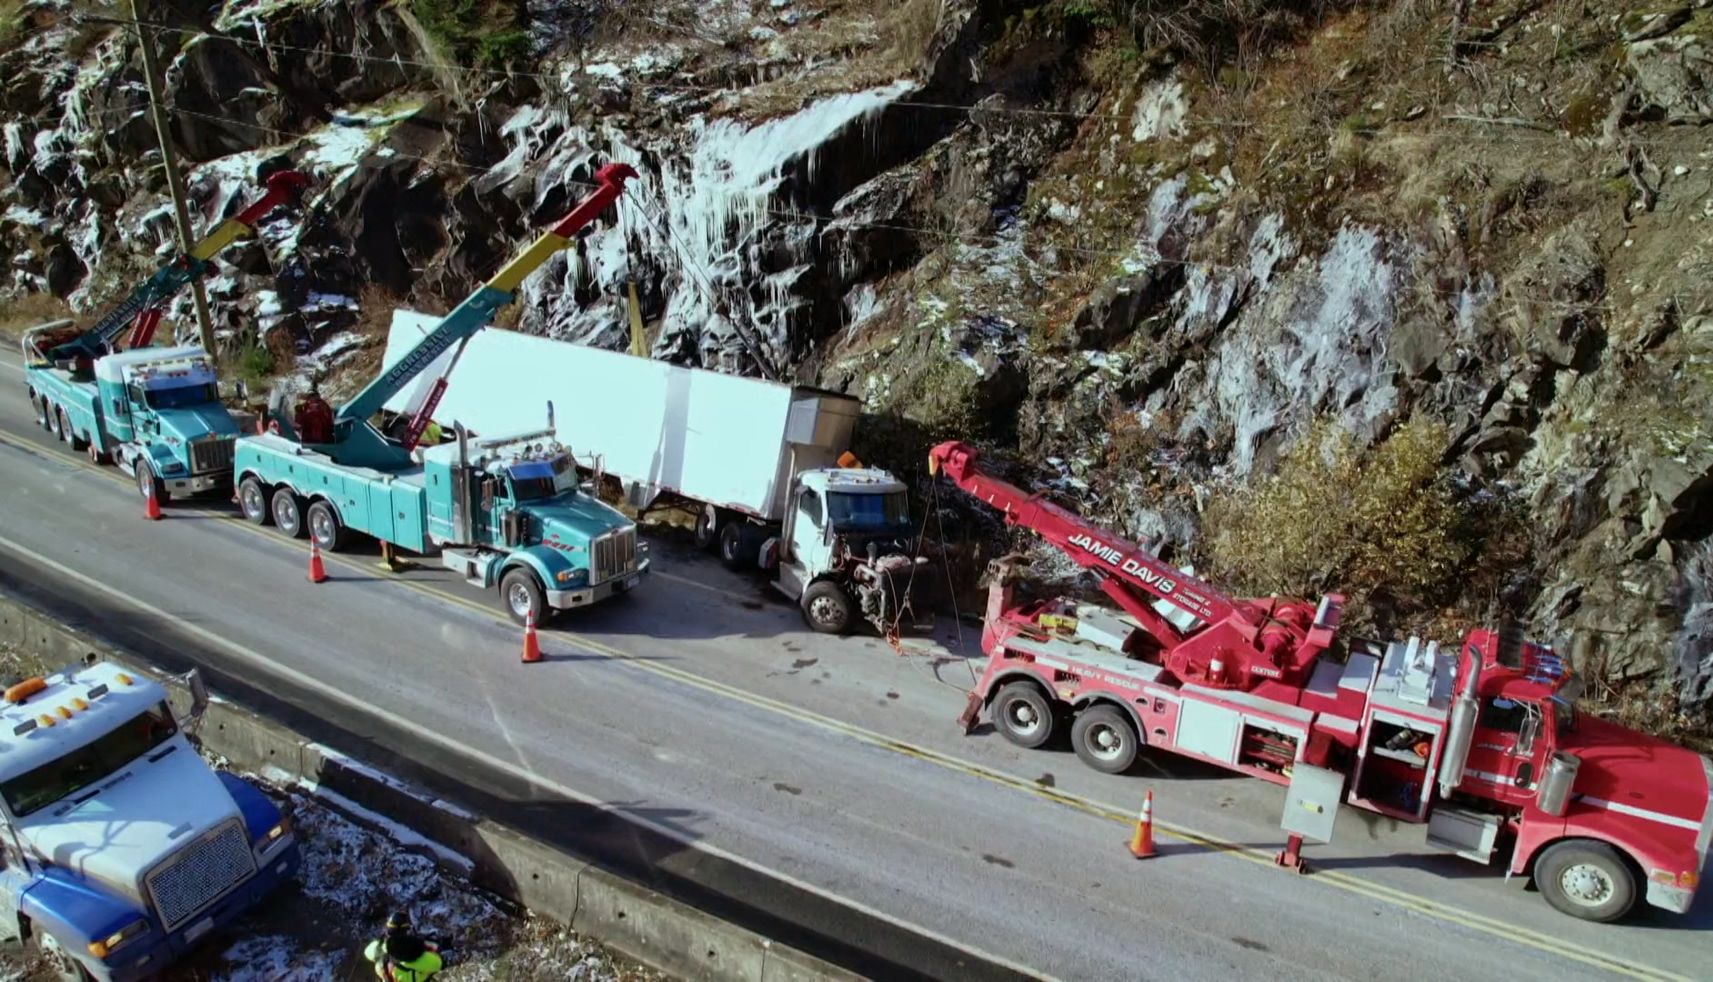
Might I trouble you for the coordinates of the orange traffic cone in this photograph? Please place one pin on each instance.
(531, 648)
(151, 507)
(1142, 843)
(317, 572)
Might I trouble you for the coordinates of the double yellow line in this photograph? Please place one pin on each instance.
(1350, 884)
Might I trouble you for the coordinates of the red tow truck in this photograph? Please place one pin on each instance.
(1483, 742)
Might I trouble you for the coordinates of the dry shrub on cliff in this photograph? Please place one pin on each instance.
(26, 310)
(1385, 527)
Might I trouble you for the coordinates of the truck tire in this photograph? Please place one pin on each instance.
(148, 483)
(56, 959)
(827, 607)
(253, 500)
(1022, 715)
(707, 528)
(1104, 739)
(78, 444)
(734, 551)
(1586, 879)
(288, 513)
(521, 595)
(325, 527)
(40, 405)
(59, 427)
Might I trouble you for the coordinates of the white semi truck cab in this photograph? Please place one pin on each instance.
(120, 847)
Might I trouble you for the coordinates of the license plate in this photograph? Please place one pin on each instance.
(199, 929)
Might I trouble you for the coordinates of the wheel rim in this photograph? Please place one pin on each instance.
(1022, 718)
(1104, 742)
(145, 482)
(517, 596)
(321, 526)
(285, 513)
(57, 957)
(825, 611)
(1586, 885)
(252, 496)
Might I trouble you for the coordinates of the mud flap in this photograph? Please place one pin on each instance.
(972, 710)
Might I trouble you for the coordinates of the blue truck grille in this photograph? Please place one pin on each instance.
(200, 873)
(211, 454)
(615, 555)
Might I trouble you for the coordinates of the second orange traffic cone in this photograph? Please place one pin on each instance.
(317, 572)
(531, 648)
(1142, 843)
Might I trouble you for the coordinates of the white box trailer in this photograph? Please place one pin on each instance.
(665, 431)
(757, 462)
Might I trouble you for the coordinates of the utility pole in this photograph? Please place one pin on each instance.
(169, 160)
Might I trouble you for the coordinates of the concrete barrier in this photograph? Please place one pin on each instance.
(656, 930)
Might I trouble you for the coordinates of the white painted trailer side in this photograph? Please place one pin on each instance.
(722, 439)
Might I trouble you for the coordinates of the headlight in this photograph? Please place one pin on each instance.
(280, 830)
(102, 948)
(572, 577)
(172, 467)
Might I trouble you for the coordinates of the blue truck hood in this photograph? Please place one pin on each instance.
(190, 422)
(575, 518)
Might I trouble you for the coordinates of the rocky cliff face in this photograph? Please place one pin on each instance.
(1136, 248)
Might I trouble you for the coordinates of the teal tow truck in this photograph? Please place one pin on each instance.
(154, 412)
(503, 510)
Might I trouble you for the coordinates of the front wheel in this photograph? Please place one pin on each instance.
(1104, 739)
(828, 608)
(1586, 879)
(522, 595)
(253, 500)
(58, 961)
(148, 485)
(325, 527)
(1022, 715)
(288, 514)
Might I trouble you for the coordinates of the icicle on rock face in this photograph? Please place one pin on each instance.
(736, 182)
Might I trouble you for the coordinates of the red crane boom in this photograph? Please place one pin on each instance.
(1232, 644)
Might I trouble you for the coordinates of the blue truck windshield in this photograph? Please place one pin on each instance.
(538, 479)
(40, 787)
(877, 512)
(180, 396)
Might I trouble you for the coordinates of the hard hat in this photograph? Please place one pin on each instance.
(398, 921)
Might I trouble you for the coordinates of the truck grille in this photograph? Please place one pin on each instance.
(200, 874)
(211, 454)
(615, 555)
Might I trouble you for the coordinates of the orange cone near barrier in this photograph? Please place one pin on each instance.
(317, 572)
(151, 507)
(531, 648)
(1142, 843)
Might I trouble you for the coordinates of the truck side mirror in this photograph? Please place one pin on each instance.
(1526, 734)
(241, 391)
(198, 696)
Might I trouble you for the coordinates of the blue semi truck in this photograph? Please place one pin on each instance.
(503, 510)
(121, 847)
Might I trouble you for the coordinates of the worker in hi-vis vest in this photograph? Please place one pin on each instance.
(401, 956)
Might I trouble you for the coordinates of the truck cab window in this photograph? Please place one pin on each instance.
(1503, 715)
(89, 764)
(809, 504)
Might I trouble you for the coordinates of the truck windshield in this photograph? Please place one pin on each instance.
(41, 786)
(538, 479)
(180, 396)
(880, 512)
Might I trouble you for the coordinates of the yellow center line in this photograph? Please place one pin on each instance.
(1343, 881)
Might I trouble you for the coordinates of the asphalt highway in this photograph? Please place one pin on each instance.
(697, 734)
